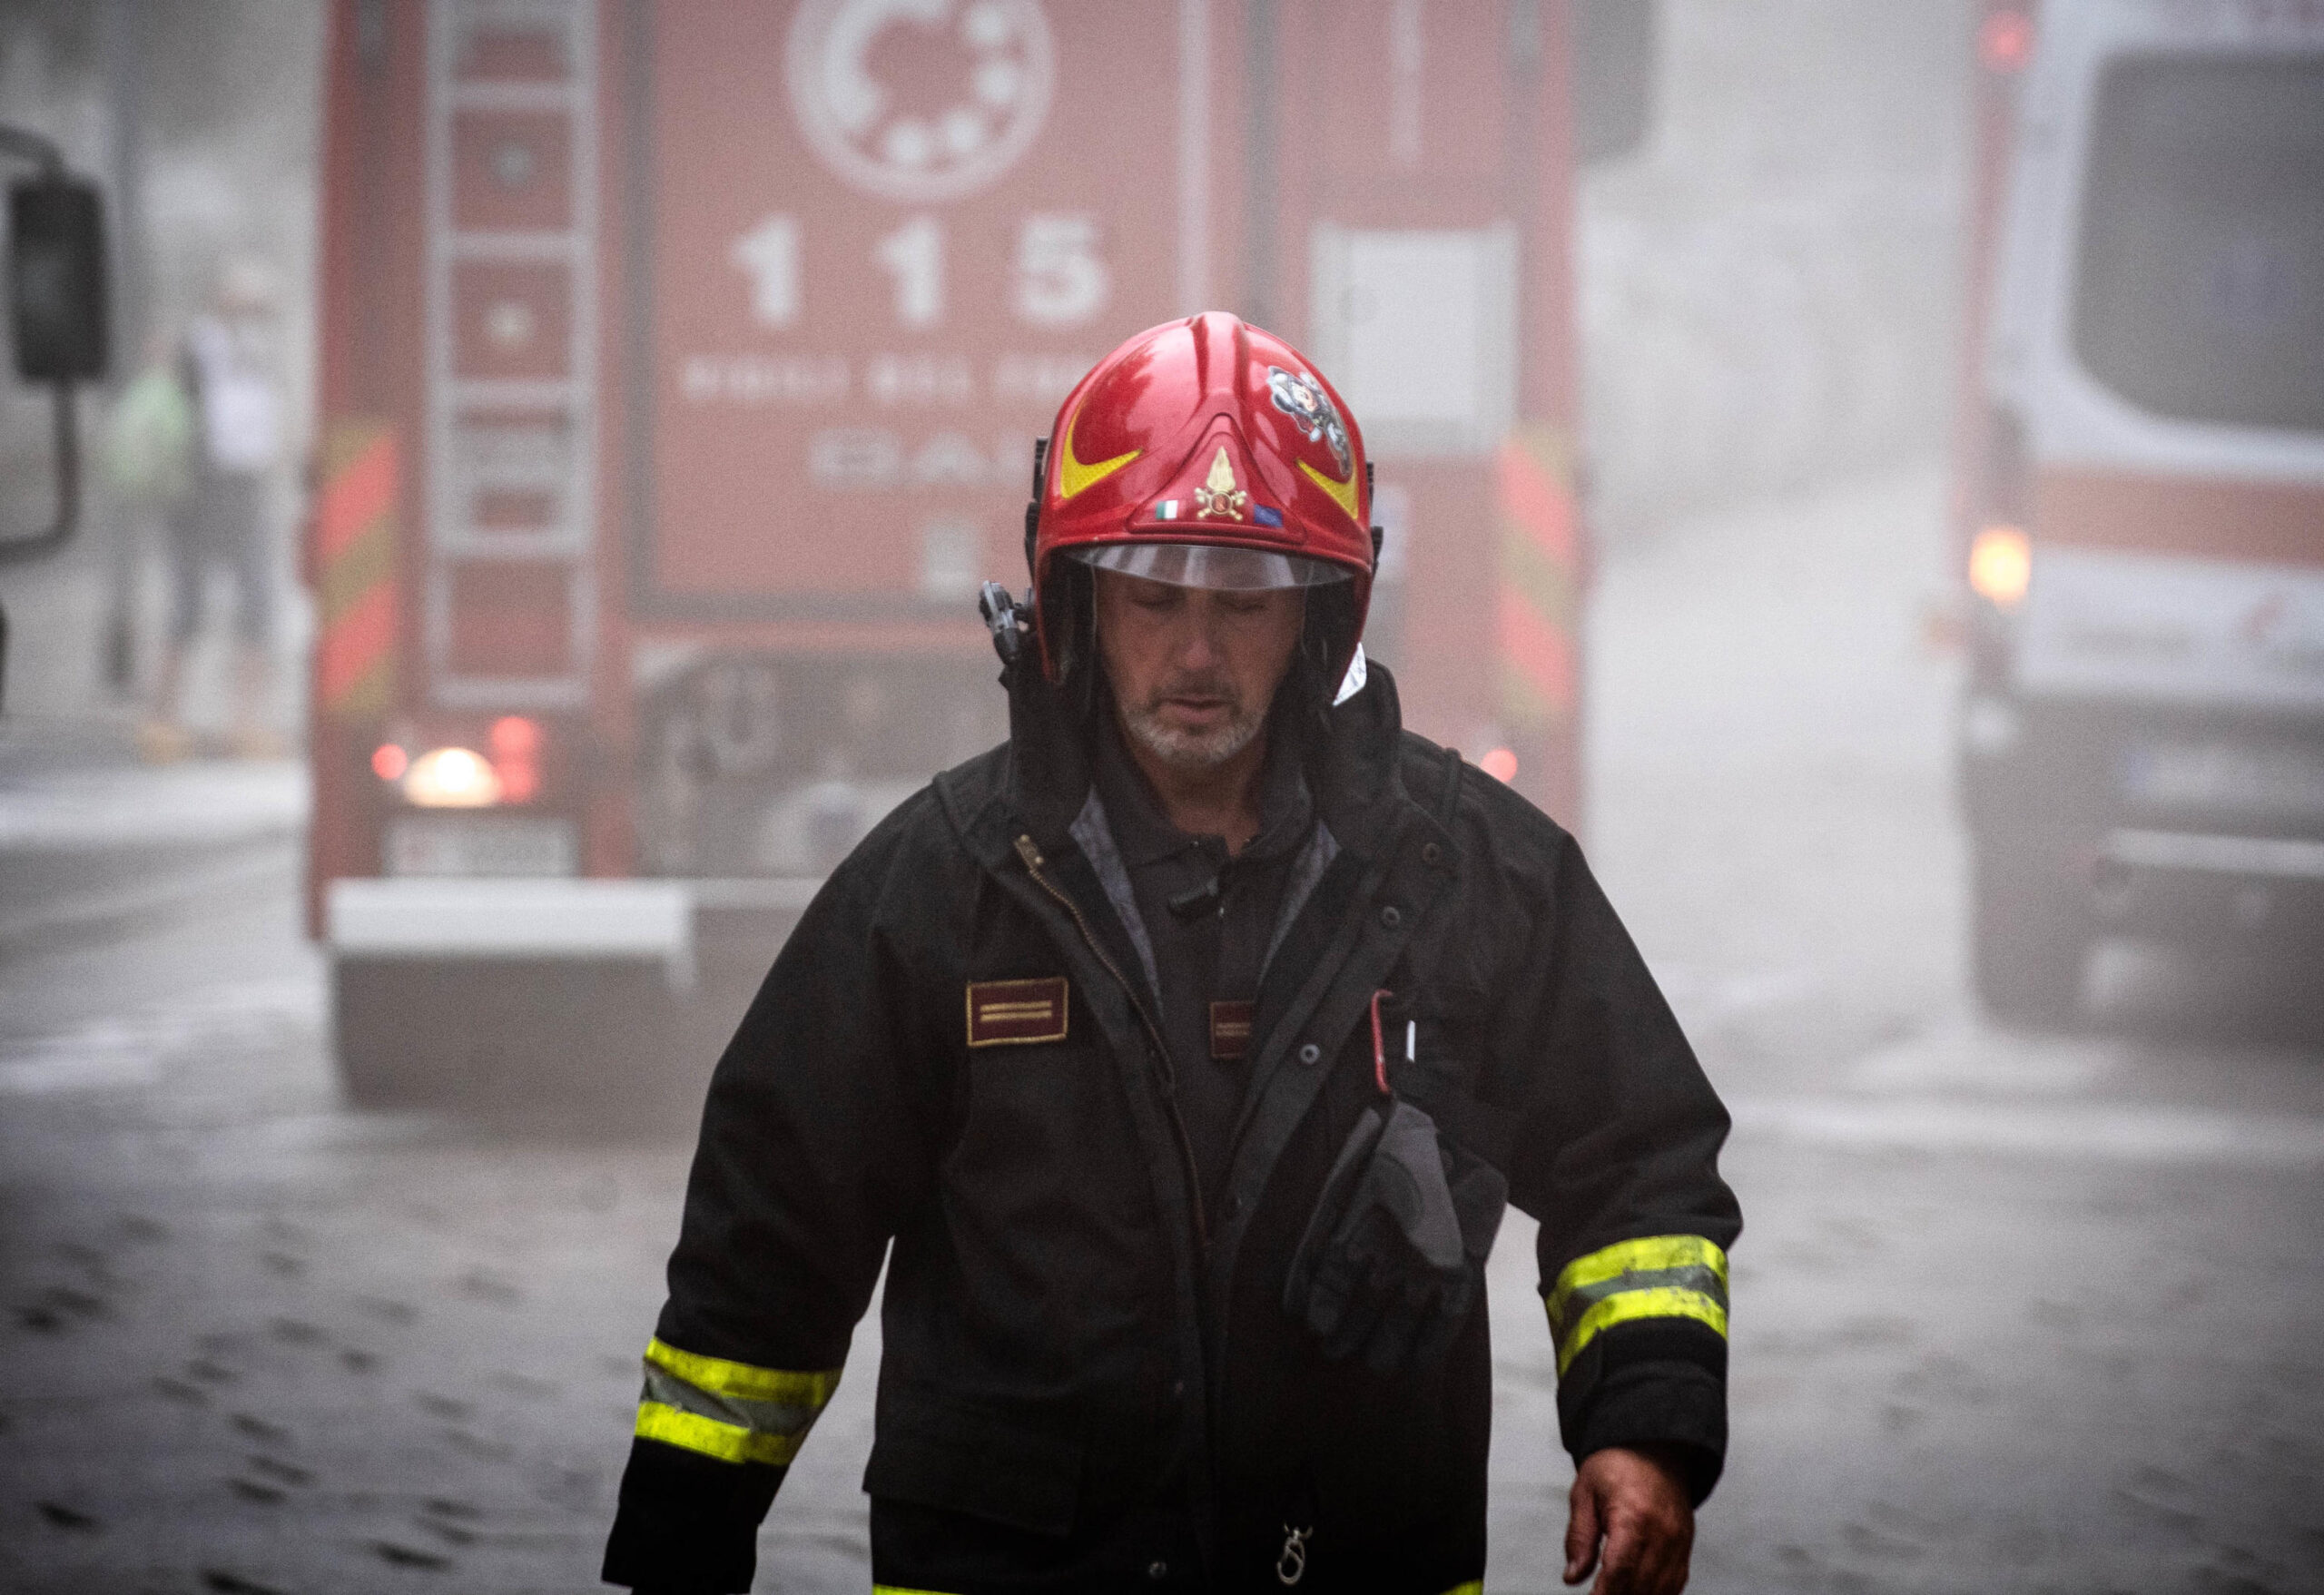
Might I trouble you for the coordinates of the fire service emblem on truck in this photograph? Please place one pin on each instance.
(983, 75)
(1299, 397)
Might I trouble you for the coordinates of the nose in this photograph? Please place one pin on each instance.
(1199, 640)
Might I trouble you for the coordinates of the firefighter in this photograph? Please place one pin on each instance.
(1179, 1056)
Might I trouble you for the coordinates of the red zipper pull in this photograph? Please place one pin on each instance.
(1379, 1045)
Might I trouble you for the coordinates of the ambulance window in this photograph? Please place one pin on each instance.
(2201, 285)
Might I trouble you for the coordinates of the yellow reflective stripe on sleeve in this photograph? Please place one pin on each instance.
(1475, 1585)
(733, 1412)
(724, 1443)
(1639, 1256)
(1631, 1304)
(1654, 1277)
(741, 1380)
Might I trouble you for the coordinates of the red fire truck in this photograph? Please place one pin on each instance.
(682, 364)
(2141, 499)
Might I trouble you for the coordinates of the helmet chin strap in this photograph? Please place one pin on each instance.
(1033, 505)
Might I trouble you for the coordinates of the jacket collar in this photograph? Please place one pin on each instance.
(1043, 778)
(1142, 831)
(1350, 756)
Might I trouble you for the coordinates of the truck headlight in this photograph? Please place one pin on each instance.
(451, 778)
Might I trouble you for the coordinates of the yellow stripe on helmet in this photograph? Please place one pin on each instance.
(1072, 476)
(1344, 494)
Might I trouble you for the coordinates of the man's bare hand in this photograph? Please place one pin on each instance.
(1636, 1506)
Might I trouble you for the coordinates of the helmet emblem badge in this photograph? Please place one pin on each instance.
(1219, 498)
(1301, 396)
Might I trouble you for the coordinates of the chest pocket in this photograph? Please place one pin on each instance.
(1026, 1111)
(1434, 1044)
(1434, 1025)
(1044, 1142)
(1029, 1090)
(1043, 1135)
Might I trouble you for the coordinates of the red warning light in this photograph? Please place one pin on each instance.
(516, 743)
(388, 762)
(512, 736)
(1501, 765)
(2005, 40)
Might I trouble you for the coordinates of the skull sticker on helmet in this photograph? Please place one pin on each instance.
(1298, 396)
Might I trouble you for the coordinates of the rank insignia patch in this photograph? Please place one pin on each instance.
(1011, 1013)
(1230, 1030)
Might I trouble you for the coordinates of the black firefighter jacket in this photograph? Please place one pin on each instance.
(1089, 1378)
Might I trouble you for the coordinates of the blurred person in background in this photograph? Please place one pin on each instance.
(225, 364)
(147, 462)
(1187, 1047)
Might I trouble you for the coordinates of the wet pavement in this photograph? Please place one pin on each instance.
(2012, 1312)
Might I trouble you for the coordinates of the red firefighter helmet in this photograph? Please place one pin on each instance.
(1204, 453)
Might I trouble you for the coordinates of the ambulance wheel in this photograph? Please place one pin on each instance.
(2028, 933)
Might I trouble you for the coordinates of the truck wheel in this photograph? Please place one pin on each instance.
(2028, 933)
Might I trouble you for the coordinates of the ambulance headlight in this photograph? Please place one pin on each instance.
(451, 778)
(2000, 566)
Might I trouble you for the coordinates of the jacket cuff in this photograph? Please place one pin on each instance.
(1651, 1385)
(688, 1524)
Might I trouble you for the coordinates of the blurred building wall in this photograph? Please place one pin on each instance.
(223, 100)
(1767, 288)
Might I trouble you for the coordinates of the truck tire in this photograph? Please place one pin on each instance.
(2029, 928)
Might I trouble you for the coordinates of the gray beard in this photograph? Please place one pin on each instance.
(1182, 750)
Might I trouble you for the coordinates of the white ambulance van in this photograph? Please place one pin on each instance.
(2141, 497)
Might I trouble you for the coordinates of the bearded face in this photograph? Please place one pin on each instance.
(1154, 725)
(1194, 670)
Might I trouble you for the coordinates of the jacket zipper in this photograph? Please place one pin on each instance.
(1029, 850)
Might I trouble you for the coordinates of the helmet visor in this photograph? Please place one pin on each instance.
(1208, 565)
